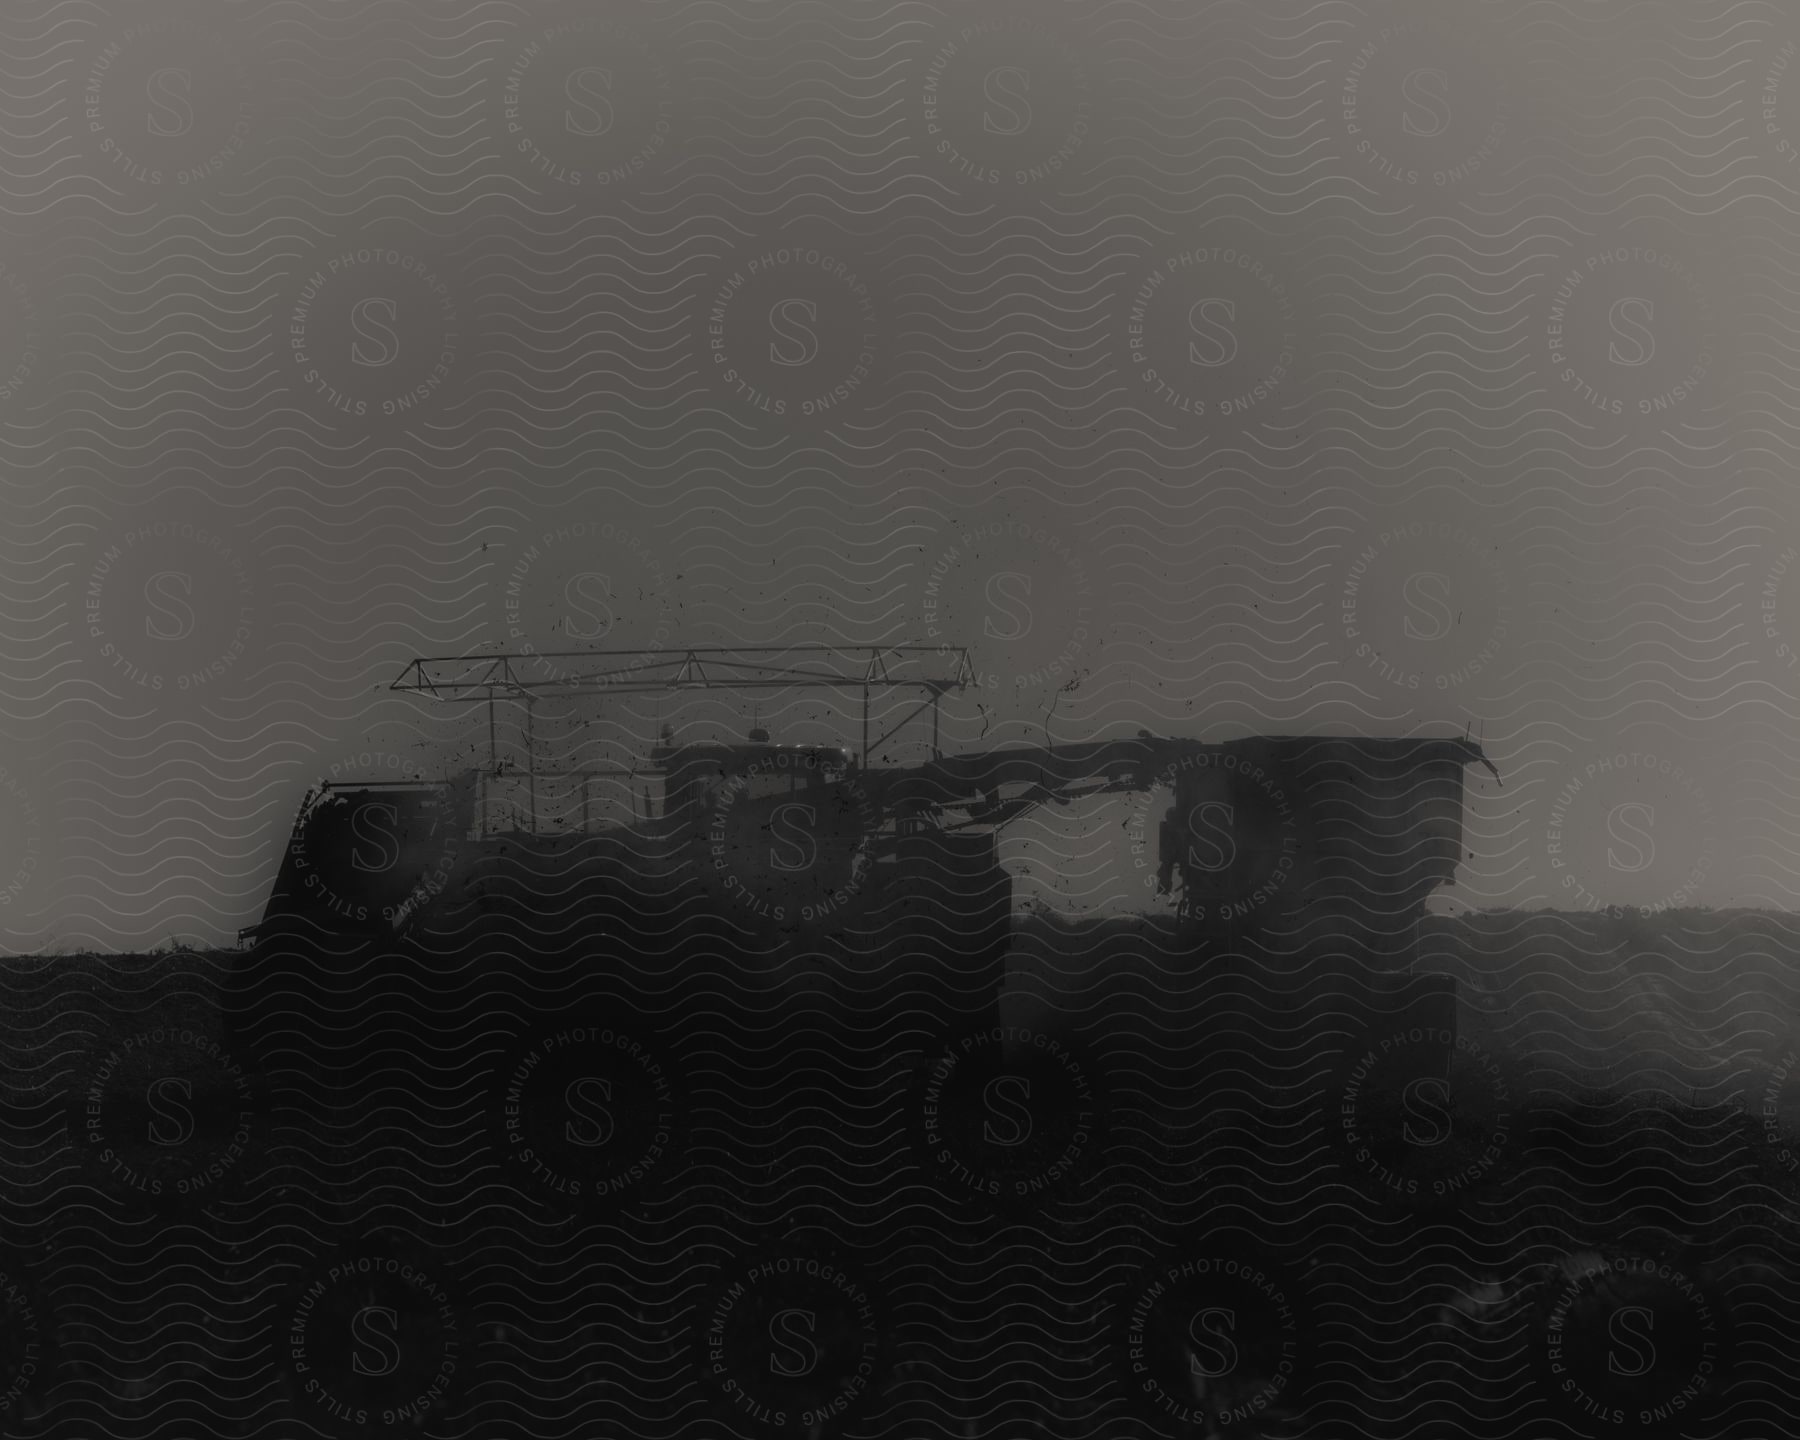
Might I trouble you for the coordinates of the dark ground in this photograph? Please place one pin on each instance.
(1642, 1071)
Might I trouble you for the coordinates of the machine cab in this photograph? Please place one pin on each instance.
(704, 781)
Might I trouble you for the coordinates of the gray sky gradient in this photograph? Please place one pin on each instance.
(1397, 368)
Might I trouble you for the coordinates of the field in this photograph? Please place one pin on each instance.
(1645, 1065)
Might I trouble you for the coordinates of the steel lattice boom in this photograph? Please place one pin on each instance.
(933, 668)
(527, 675)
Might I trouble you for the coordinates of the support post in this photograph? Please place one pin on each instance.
(530, 764)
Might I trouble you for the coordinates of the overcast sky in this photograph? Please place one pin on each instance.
(1400, 368)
